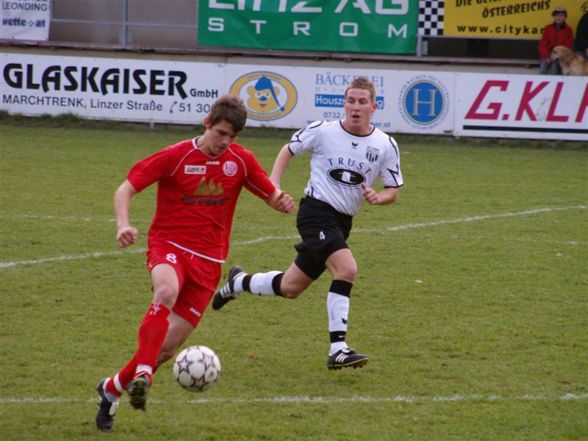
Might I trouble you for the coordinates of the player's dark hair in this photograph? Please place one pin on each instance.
(362, 83)
(231, 109)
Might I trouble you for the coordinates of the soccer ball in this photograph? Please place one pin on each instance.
(197, 368)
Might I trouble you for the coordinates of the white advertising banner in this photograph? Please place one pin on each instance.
(181, 92)
(107, 88)
(25, 19)
(515, 106)
(291, 97)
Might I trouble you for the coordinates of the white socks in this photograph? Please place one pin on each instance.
(338, 311)
(262, 283)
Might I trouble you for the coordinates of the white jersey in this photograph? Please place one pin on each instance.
(341, 162)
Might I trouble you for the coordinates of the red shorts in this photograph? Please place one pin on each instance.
(197, 277)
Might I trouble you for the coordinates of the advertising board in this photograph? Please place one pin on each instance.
(367, 26)
(553, 107)
(181, 92)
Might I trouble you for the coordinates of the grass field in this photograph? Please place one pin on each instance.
(471, 300)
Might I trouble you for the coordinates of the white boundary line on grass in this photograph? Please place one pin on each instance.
(98, 254)
(489, 398)
(66, 257)
(469, 219)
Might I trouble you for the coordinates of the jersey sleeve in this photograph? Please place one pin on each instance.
(305, 140)
(257, 181)
(151, 169)
(390, 172)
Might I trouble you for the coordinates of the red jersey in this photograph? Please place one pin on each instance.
(197, 194)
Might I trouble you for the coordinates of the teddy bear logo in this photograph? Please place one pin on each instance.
(263, 96)
(267, 95)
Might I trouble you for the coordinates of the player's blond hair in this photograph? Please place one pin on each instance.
(362, 83)
(231, 109)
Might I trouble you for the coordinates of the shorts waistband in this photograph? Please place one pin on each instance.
(319, 203)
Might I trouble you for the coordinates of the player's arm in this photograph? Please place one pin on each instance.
(385, 197)
(280, 165)
(281, 201)
(126, 234)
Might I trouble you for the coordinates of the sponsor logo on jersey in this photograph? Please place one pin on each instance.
(267, 95)
(195, 169)
(207, 193)
(346, 177)
(212, 162)
(230, 168)
(208, 188)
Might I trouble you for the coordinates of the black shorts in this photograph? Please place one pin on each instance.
(323, 230)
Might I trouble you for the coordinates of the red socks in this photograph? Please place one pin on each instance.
(151, 336)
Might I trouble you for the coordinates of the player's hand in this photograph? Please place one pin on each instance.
(126, 235)
(369, 194)
(285, 203)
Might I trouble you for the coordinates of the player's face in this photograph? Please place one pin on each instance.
(217, 138)
(359, 108)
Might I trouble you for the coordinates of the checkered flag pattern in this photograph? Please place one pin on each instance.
(431, 15)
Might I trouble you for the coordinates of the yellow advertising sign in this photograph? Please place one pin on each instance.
(510, 19)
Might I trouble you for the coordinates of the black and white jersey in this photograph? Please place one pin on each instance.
(341, 162)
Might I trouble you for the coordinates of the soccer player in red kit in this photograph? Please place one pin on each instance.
(198, 185)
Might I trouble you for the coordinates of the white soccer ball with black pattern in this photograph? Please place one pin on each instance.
(197, 368)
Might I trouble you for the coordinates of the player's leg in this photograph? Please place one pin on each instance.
(306, 268)
(201, 278)
(178, 332)
(289, 284)
(166, 280)
(343, 268)
(135, 376)
(153, 331)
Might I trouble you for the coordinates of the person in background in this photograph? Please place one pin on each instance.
(581, 41)
(347, 157)
(557, 33)
(199, 181)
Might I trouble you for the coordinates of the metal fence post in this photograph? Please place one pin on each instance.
(124, 23)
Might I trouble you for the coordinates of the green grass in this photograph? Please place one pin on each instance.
(471, 300)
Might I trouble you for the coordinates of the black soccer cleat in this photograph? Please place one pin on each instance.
(346, 357)
(227, 292)
(138, 390)
(106, 409)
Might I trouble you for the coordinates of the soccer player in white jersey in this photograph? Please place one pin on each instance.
(347, 157)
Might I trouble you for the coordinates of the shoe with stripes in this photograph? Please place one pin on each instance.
(227, 292)
(106, 409)
(346, 357)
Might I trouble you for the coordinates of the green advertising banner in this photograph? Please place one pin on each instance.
(367, 26)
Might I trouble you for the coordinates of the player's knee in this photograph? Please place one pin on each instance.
(289, 289)
(165, 294)
(291, 292)
(294, 282)
(347, 273)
